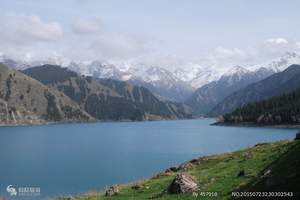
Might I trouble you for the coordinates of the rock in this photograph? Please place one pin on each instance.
(172, 169)
(112, 191)
(162, 174)
(297, 136)
(185, 166)
(183, 183)
(241, 173)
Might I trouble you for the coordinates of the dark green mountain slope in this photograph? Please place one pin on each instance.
(24, 100)
(107, 99)
(284, 109)
(281, 176)
(275, 85)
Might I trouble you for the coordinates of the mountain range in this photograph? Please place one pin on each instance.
(274, 85)
(107, 99)
(208, 96)
(200, 88)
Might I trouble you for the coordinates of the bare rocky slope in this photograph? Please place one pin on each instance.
(24, 100)
(107, 99)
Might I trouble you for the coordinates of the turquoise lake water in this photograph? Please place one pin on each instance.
(72, 159)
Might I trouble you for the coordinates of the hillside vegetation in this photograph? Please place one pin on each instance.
(222, 174)
(284, 109)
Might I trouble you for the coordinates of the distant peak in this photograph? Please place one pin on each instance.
(236, 70)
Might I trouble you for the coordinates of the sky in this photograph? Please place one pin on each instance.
(156, 32)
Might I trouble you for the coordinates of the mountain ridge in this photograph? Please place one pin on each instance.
(175, 84)
(274, 85)
(27, 101)
(107, 99)
(208, 96)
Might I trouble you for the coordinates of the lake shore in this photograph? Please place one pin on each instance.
(234, 171)
(251, 124)
(91, 121)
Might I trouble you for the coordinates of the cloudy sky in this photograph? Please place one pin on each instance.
(163, 32)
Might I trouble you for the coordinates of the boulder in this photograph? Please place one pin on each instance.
(183, 183)
(112, 191)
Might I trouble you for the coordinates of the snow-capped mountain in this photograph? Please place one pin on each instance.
(234, 75)
(173, 84)
(161, 82)
(21, 64)
(197, 75)
(103, 70)
(208, 96)
(154, 74)
(158, 80)
(281, 63)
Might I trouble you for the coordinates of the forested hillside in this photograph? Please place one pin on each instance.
(274, 85)
(284, 109)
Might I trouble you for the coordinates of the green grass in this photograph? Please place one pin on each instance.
(214, 173)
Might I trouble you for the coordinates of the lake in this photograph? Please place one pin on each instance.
(67, 159)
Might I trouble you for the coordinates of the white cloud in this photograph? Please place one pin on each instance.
(269, 49)
(29, 37)
(118, 46)
(275, 47)
(298, 45)
(23, 29)
(222, 52)
(277, 41)
(87, 26)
